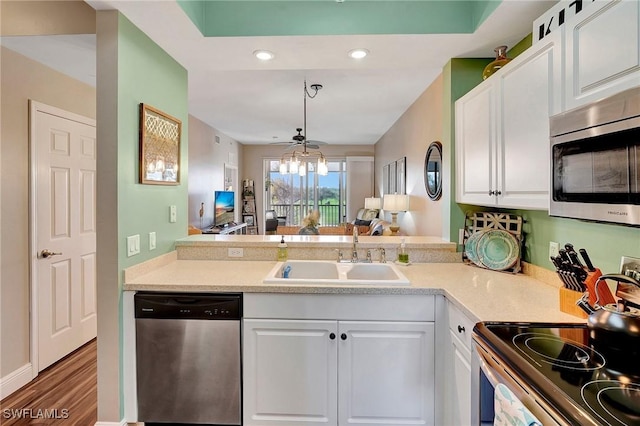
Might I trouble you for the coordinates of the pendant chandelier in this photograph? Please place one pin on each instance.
(296, 162)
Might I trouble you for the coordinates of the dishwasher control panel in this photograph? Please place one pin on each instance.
(207, 306)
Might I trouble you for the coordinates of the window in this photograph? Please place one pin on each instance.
(293, 196)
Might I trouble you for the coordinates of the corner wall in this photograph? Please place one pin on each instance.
(410, 136)
(132, 69)
(207, 159)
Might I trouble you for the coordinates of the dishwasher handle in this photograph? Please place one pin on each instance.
(208, 306)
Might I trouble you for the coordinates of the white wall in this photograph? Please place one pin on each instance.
(207, 159)
(410, 136)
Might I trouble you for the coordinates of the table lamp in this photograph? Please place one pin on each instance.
(372, 203)
(395, 203)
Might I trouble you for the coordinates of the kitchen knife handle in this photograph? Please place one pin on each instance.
(574, 258)
(564, 256)
(587, 260)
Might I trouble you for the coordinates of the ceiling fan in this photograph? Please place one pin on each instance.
(299, 140)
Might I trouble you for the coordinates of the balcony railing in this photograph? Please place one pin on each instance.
(330, 214)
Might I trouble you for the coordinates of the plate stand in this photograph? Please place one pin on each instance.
(481, 221)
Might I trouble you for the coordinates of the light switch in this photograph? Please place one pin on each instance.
(152, 240)
(173, 214)
(133, 245)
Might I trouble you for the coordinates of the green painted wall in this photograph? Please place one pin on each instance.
(304, 17)
(460, 76)
(147, 74)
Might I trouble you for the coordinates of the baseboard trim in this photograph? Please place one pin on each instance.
(120, 423)
(15, 380)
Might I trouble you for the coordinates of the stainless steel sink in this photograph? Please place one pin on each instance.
(318, 272)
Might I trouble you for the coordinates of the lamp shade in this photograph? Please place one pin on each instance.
(372, 203)
(396, 202)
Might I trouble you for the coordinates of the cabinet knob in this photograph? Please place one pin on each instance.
(461, 329)
(498, 192)
(343, 336)
(332, 336)
(491, 192)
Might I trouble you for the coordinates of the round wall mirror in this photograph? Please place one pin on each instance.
(433, 170)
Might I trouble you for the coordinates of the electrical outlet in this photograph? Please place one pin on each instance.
(235, 252)
(133, 245)
(173, 214)
(553, 249)
(630, 266)
(152, 240)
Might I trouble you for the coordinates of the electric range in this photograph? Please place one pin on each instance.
(566, 374)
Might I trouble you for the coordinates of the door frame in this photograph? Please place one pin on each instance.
(34, 108)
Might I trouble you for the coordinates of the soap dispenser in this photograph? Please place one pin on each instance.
(282, 250)
(403, 254)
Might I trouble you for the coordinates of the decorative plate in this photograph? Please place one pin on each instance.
(498, 249)
(471, 247)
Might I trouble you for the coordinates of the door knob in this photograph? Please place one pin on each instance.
(46, 254)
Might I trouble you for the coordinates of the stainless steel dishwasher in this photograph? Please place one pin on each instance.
(188, 358)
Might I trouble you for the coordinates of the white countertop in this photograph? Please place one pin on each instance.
(482, 294)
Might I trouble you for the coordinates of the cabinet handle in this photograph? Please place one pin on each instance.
(343, 336)
(332, 336)
(498, 192)
(461, 329)
(491, 192)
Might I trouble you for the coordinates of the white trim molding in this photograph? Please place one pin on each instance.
(15, 380)
(120, 423)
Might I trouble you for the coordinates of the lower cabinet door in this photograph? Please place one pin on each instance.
(289, 372)
(386, 373)
(460, 398)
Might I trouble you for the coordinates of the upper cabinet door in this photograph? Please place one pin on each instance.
(475, 146)
(530, 92)
(603, 52)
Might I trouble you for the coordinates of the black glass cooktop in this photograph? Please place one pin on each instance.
(588, 383)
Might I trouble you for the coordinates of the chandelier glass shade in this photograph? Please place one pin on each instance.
(298, 161)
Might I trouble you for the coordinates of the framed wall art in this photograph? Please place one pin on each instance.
(159, 147)
(400, 176)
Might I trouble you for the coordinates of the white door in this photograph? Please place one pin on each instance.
(63, 152)
(386, 373)
(289, 372)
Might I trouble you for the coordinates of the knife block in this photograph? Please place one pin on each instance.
(603, 289)
(568, 299)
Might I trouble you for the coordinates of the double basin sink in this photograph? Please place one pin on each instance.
(318, 272)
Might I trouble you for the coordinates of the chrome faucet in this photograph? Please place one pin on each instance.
(354, 247)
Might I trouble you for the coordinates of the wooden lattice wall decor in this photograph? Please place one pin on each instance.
(159, 147)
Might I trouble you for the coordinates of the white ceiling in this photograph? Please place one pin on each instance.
(256, 102)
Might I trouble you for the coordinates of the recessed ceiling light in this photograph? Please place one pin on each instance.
(264, 55)
(358, 53)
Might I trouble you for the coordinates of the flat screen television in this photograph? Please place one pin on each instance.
(224, 207)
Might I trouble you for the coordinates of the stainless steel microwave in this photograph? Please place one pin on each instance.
(595, 160)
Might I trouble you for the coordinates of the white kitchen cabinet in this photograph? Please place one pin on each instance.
(602, 52)
(502, 131)
(303, 371)
(289, 372)
(458, 369)
(385, 373)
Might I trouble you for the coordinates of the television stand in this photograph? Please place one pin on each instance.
(236, 228)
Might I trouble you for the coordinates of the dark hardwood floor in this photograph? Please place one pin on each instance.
(62, 394)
